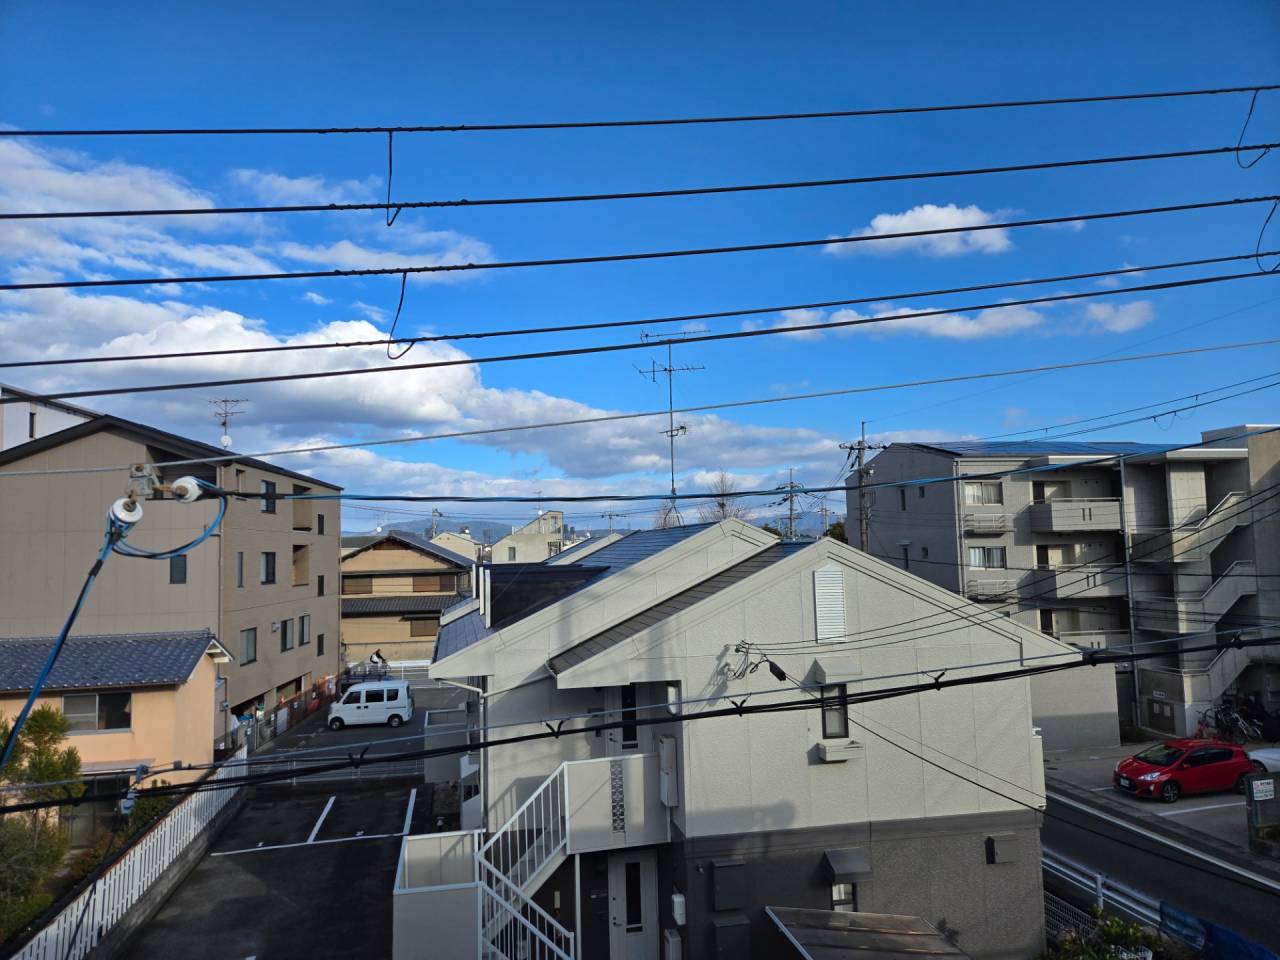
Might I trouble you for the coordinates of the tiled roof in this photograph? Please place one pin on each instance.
(97, 662)
(460, 634)
(683, 600)
(372, 606)
(1040, 448)
(568, 552)
(413, 540)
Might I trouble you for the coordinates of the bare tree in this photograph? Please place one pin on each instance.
(668, 516)
(724, 506)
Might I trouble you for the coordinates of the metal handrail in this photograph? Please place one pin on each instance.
(507, 942)
(1105, 891)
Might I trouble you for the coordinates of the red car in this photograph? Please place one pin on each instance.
(1170, 769)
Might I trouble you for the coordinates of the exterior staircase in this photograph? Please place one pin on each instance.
(1193, 614)
(1195, 541)
(511, 865)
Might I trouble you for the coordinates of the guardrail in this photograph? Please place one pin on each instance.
(1106, 893)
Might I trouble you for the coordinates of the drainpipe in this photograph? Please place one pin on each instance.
(1127, 536)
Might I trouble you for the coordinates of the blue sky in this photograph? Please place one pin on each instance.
(399, 63)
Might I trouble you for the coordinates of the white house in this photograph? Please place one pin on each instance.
(675, 833)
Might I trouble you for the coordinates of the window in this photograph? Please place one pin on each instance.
(393, 695)
(267, 568)
(835, 716)
(352, 697)
(240, 569)
(902, 498)
(920, 492)
(844, 897)
(357, 584)
(304, 629)
(906, 558)
(319, 644)
(248, 645)
(828, 603)
(422, 628)
(178, 568)
(301, 565)
(630, 732)
(98, 711)
(239, 481)
(319, 584)
(924, 553)
(427, 584)
(511, 554)
(269, 488)
(374, 696)
(286, 635)
(635, 898)
(320, 524)
(989, 558)
(31, 425)
(983, 493)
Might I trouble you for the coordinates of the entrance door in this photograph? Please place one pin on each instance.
(629, 738)
(633, 905)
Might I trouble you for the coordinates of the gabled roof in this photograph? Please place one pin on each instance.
(1039, 448)
(461, 633)
(585, 547)
(390, 606)
(414, 542)
(184, 447)
(105, 661)
(671, 606)
(8, 388)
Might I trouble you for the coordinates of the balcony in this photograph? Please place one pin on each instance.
(1099, 639)
(1190, 613)
(977, 522)
(990, 584)
(1079, 582)
(1076, 515)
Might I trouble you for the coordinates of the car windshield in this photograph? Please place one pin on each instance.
(1161, 755)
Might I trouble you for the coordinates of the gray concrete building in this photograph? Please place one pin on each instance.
(670, 834)
(540, 538)
(1156, 547)
(266, 584)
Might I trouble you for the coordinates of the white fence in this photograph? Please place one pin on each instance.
(1106, 893)
(87, 919)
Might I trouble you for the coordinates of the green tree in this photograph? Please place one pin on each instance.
(33, 843)
(836, 531)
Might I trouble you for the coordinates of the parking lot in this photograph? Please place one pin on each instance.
(305, 868)
(1219, 815)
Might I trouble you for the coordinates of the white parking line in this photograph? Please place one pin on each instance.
(1100, 789)
(317, 843)
(408, 812)
(1210, 806)
(324, 813)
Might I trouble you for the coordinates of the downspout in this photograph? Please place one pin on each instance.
(961, 568)
(1127, 536)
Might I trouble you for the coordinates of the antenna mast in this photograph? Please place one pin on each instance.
(672, 430)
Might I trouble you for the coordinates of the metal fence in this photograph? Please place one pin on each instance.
(253, 734)
(1063, 919)
(1107, 894)
(82, 924)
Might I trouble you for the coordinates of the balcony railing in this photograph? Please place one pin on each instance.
(978, 522)
(979, 587)
(1080, 580)
(1070, 515)
(1192, 613)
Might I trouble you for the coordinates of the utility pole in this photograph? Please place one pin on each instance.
(791, 503)
(859, 449)
(224, 408)
(435, 515)
(822, 510)
(672, 430)
(609, 515)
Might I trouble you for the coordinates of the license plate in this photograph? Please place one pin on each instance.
(1124, 782)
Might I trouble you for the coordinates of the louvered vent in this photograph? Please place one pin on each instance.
(828, 598)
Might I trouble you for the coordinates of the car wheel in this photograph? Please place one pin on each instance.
(1170, 792)
(1241, 785)
(1258, 766)
(394, 720)
(336, 723)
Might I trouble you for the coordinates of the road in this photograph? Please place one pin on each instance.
(1154, 868)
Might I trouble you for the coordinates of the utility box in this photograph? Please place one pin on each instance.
(732, 936)
(728, 883)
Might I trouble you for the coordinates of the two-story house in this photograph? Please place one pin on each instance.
(265, 584)
(542, 537)
(394, 587)
(670, 833)
(1099, 544)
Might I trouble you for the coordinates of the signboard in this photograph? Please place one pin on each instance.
(1264, 789)
(1159, 694)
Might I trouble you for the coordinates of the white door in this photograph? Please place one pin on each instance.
(633, 905)
(375, 705)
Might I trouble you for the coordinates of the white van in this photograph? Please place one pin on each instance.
(377, 701)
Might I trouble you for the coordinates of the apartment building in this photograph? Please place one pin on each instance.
(24, 417)
(265, 585)
(542, 537)
(394, 587)
(1160, 545)
(460, 542)
(673, 835)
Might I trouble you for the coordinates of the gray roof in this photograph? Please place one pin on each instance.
(639, 545)
(828, 935)
(374, 606)
(1040, 448)
(582, 545)
(413, 540)
(674, 604)
(104, 661)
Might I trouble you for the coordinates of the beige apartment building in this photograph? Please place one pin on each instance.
(542, 537)
(394, 587)
(265, 584)
(1161, 547)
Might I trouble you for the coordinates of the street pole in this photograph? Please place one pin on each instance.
(791, 504)
(862, 496)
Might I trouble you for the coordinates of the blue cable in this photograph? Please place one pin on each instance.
(128, 550)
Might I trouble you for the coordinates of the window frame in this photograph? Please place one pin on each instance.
(239, 569)
(839, 729)
(267, 505)
(983, 487)
(320, 524)
(245, 659)
(511, 554)
(98, 711)
(844, 900)
(178, 569)
(304, 629)
(986, 553)
(266, 568)
(319, 584)
(286, 635)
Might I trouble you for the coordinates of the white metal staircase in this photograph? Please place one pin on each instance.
(511, 865)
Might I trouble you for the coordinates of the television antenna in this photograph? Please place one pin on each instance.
(224, 408)
(672, 431)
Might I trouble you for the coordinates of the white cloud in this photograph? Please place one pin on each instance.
(430, 248)
(1120, 317)
(993, 322)
(1014, 416)
(929, 217)
(313, 297)
(275, 188)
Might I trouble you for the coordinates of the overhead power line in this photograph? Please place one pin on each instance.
(610, 418)
(644, 255)
(402, 205)
(653, 321)
(659, 341)
(659, 122)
